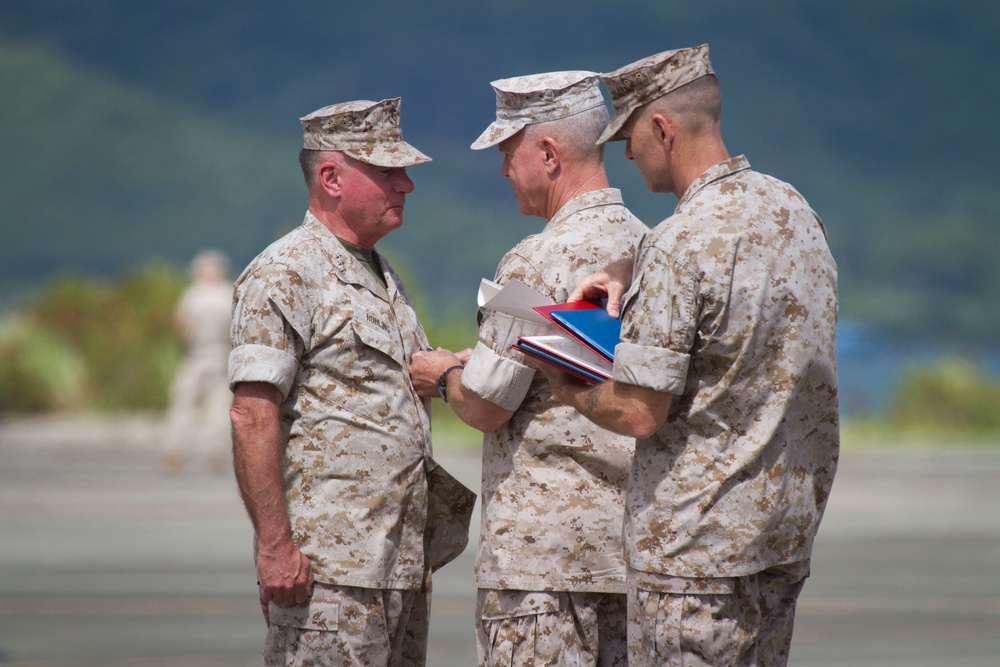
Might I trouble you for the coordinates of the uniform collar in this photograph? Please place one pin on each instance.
(717, 172)
(592, 199)
(349, 269)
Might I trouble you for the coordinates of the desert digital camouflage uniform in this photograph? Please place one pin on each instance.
(312, 321)
(552, 480)
(197, 419)
(732, 309)
(344, 625)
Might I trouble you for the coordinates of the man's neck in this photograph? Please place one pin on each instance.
(699, 158)
(571, 186)
(337, 226)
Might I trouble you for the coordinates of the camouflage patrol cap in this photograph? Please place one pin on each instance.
(365, 130)
(538, 98)
(641, 82)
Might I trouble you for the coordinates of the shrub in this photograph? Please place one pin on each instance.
(37, 371)
(953, 396)
(122, 333)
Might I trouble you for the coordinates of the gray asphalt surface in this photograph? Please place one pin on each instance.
(104, 560)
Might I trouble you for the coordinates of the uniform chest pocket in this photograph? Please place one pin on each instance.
(364, 370)
(379, 340)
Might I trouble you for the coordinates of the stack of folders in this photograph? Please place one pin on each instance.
(584, 346)
(582, 340)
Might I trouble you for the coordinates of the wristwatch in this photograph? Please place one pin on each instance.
(443, 382)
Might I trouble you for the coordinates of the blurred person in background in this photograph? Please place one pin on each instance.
(197, 420)
(331, 442)
(549, 570)
(726, 375)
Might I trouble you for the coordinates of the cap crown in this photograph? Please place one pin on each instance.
(368, 131)
(539, 98)
(643, 81)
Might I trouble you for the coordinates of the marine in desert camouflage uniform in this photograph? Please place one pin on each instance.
(330, 436)
(727, 376)
(197, 420)
(549, 568)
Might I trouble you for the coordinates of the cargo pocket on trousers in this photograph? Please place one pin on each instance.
(313, 615)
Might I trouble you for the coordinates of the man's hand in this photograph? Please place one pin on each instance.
(426, 368)
(612, 281)
(285, 573)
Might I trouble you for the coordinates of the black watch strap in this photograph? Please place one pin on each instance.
(442, 382)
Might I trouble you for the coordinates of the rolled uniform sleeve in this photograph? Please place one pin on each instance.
(499, 380)
(270, 322)
(496, 371)
(659, 324)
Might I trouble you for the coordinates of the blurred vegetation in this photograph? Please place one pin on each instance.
(953, 395)
(951, 400)
(93, 344)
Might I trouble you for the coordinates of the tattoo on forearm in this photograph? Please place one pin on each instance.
(593, 398)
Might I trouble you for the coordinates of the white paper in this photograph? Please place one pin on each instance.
(572, 351)
(515, 299)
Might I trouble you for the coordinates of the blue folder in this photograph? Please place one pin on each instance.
(593, 326)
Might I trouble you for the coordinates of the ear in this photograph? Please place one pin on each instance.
(330, 177)
(550, 154)
(664, 127)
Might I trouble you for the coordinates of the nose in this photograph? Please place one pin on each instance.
(404, 183)
(505, 167)
(628, 149)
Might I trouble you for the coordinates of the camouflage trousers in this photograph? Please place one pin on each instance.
(723, 622)
(522, 628)
(344, 626)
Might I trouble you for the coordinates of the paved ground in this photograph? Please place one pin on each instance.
(105, 561)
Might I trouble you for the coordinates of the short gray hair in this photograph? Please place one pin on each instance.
(576, 134)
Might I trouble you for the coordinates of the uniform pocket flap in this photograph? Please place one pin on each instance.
(313, 615)
(513, 604)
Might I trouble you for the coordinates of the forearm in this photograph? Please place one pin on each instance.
(257, 454)
(473, 409)
(621, 408)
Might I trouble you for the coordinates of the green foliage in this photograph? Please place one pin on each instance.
(953, 396)
(94, 344)
(38, 372)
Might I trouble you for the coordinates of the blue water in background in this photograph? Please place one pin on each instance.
(871, 366)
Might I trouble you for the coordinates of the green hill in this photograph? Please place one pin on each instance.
(130, 131)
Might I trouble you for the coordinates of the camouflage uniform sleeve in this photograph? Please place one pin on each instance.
(659, 324)
(496, 371)
(270, 323)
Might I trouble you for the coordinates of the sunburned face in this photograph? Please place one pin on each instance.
(645, 146)
(373, 199)
(524, 166)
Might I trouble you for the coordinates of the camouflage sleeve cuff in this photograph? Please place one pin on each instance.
(652, 367)
(499, 380)
(259, 363)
